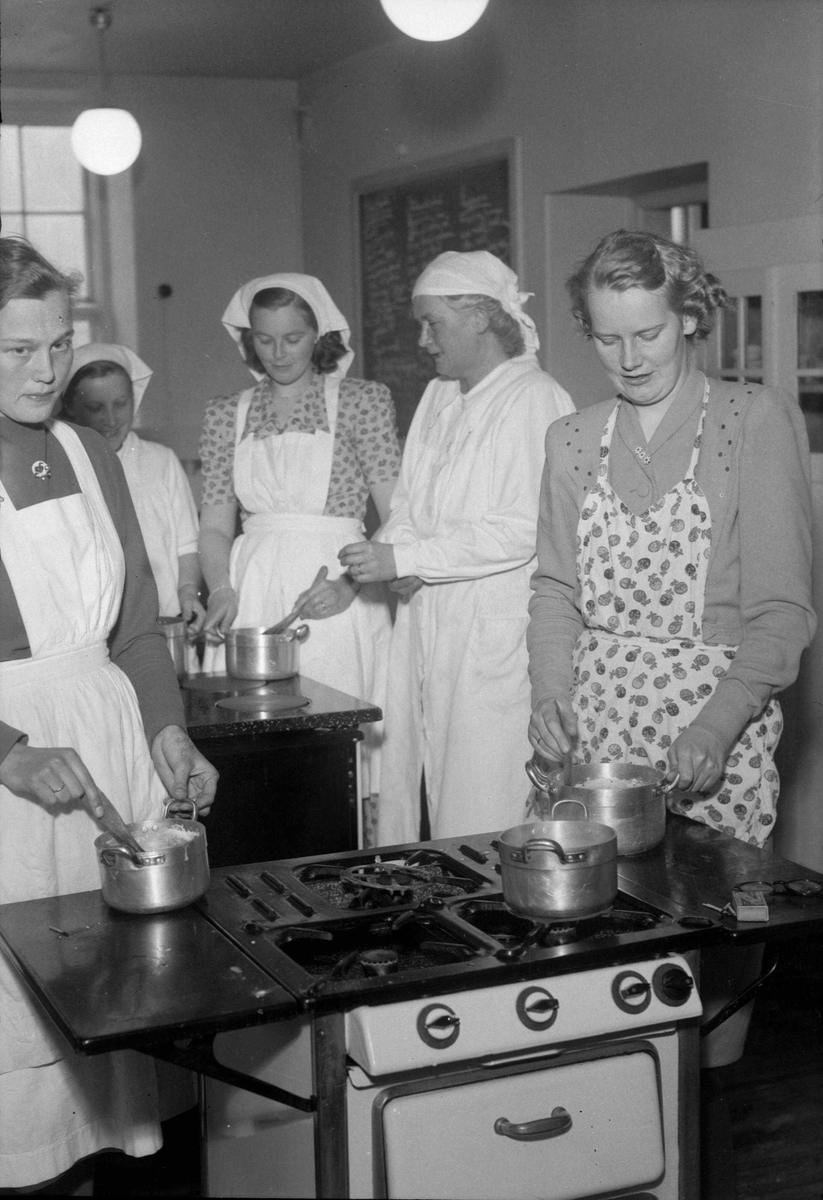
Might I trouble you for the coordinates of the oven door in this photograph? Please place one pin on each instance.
(555, 1132)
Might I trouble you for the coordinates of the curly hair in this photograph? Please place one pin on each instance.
(501, 323)
(100, 369)
(627, 259)
(26, 275)
(328, 348)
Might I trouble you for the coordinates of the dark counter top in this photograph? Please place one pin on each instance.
(695, 865)
(327, 709)
(110, 980)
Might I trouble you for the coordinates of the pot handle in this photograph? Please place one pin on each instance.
(531, 1131)
(301, 633)
(192, 816)
(571, 800)
(111, 853)
(663, 789)
(535, 844)
(536, 774)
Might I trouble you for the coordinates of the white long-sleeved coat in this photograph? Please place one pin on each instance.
(464, 519)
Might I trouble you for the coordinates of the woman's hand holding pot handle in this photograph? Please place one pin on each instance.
(553, 728)
(221, 613)
(698, 757)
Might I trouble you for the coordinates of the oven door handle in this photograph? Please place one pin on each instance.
(532, 1131)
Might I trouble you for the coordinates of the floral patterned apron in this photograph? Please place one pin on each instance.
(641, 670)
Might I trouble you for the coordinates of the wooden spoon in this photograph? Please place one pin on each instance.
(114, 824)
(283, 625)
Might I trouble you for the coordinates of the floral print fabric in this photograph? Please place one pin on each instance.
(641, 672)
(366, 449)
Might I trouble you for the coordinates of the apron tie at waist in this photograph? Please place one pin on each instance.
(260, 522)
(652, 643)
(52, 668)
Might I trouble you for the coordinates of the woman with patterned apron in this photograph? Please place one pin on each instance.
(300, 453)
(672, 598)
(80, 661)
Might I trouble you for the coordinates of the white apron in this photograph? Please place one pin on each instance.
(642, 671)
(66, 566)
(282, 483)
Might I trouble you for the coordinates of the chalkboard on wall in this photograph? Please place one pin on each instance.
(403, 224)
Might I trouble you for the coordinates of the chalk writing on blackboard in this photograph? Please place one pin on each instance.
(403, 226)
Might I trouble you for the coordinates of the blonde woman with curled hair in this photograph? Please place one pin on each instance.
(672, 598)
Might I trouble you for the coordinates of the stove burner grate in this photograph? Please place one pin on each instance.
(389, 883)
(380, 947)
(517, 934)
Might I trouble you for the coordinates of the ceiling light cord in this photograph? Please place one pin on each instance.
(105, 140)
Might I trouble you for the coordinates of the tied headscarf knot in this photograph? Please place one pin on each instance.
(477, 272)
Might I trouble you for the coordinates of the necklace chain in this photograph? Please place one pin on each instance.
(40, 469)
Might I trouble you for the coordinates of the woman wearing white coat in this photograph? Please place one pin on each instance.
(459, 547)
(103, 392)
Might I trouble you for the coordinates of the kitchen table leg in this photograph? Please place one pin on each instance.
(331, 1151)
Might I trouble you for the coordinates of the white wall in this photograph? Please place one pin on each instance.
(216, 202)
(595, 90)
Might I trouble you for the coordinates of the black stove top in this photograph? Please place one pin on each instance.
(270, 940)
(337, 928)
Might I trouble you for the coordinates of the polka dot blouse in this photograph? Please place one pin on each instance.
(366, 450)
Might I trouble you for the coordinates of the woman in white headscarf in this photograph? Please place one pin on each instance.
(104, 391)
(459, 547)
(299, 453)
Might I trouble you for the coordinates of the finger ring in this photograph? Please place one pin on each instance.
(56, 790)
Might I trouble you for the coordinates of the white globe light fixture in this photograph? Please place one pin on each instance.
(434, 20)
(105, 140)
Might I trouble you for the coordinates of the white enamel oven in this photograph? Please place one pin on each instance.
(564, 1087)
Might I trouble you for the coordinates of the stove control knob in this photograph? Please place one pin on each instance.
(672, 985)
(631, 992)
(438, 1026)
(537, 1008)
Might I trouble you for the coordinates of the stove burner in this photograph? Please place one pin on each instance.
(517, 934)
(379, 962)
(391, 883)
(376, 885)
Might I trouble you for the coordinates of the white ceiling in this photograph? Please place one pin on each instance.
(244, 39)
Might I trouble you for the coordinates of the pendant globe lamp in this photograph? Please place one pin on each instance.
(434, 20)
(105, 140)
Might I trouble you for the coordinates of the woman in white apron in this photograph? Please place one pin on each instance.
(672, 598)
(104, 391)
(299, 454)
(73, 602)
(461, 539)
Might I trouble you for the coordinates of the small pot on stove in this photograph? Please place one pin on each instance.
(558, 870)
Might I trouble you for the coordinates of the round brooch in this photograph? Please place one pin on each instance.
(40, 469)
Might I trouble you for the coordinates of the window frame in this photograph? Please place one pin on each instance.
(110, 216)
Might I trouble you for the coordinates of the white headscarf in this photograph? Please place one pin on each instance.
(328, 316)
(135, 368)
(477, 271)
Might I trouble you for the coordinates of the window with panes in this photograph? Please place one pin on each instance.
(47, 197)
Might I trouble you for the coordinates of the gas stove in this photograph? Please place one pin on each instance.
(374, 925)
